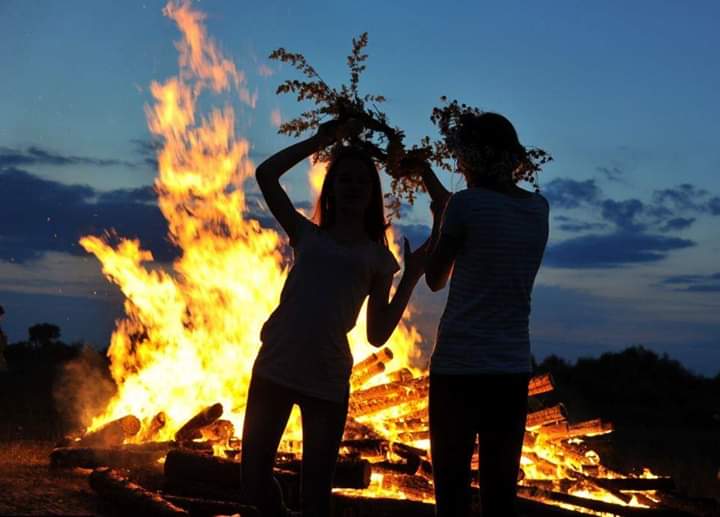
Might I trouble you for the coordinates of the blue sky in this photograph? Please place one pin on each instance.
(623, 94)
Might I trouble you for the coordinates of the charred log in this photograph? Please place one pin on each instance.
(351, 473)
(195, 466)
(191, 429)
(111, 434)
(546, 416)
(540, 384)
(208, 507)
(119, 457)
(113, 486)
(219, 431)
(154, 427)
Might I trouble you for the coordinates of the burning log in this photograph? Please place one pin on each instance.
(386, 396)
(193, 466)
(415, 487)
(540, 384)
(115, 487)
(219, 431)
(209, 507)
(392, 389)
(546, 416)
(368, 448)
(564, 431)
(183, 465)
(191, 429)
(358, 506)
(354, 430)
(154, 427)
(591, 504)
(407, 425)
(401, 375)
(635, 484)
(112, 433)
(350, 473)
(414, 436)
(370, 367)
(119, 457)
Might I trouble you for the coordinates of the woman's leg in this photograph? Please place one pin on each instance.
(452, 438)
(502, 428)
(266, 415)
(323, 423)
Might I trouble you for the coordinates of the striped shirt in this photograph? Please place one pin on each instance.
(484, 328)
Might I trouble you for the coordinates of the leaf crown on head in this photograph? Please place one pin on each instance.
(381, 140)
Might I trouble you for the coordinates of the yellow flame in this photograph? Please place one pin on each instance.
(190, 333)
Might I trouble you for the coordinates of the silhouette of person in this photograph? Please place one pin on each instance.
(489, 243)
(340, 259)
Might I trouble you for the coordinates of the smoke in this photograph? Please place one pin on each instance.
(82, 389)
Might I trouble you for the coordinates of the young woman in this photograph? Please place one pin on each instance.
(489, 244)
(339, 259)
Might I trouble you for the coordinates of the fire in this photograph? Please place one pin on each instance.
(190, 334)
(191, 331)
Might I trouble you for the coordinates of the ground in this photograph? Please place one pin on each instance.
(29, 487)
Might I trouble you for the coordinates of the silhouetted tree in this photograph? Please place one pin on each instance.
(43, 334)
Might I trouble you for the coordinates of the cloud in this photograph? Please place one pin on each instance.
(569, 193)
(611, 173)
(35, 155)
(694, 283)
(685, 197)
(568, 224)
(612, 250)
(39, 215)
(415, 233)
(145, 194)
(634, 228)
(147, 149)
(676, 224)
(714, 205)
(623, 214)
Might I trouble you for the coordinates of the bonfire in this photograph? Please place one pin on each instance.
(182, 354)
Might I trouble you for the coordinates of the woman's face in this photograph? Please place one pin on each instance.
(353, 185)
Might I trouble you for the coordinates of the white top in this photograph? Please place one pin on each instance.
(304, 341)
(484, 328)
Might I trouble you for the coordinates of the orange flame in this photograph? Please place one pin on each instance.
(190, 334)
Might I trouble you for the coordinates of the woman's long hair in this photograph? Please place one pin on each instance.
(375, 223)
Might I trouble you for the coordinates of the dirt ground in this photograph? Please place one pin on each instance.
(29, 487)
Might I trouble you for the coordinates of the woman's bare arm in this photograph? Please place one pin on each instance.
(268, 175)
(442, 251)
(383, 316)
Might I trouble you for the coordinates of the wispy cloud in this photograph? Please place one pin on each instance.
(35, 155)
(694, 283)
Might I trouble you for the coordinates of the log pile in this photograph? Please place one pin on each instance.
(384, 453)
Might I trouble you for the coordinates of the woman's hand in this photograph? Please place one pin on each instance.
(336, 129)
(415, 260)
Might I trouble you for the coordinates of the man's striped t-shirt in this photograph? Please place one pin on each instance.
(484, 328)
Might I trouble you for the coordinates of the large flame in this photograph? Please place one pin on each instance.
(190, 335)
(191, 331)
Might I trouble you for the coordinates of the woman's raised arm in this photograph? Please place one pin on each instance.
(268, 177)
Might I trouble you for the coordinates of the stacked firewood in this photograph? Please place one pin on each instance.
(384, 453)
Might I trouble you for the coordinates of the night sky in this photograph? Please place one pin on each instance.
(622, 94)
